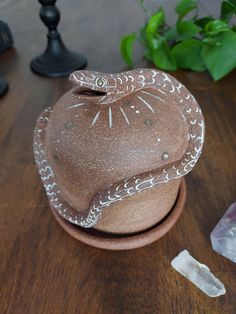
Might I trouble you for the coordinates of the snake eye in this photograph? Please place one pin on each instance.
(100, 82)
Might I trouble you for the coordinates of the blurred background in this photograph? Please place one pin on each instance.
(98, 23)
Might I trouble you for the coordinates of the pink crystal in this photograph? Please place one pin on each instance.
(223, 237)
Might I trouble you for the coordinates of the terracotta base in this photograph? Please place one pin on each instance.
(117, 242)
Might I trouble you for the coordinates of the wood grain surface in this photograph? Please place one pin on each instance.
(44, 270)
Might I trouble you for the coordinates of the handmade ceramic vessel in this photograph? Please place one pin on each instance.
(112, 153)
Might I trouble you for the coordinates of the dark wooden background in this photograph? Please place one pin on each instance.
(44, 270)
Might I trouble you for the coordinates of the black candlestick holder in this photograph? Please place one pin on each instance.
(57, 60)
(3, 86)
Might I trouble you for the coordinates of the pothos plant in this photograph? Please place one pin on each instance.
(193, 43)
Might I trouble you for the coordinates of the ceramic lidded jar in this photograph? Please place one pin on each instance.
(113, 150)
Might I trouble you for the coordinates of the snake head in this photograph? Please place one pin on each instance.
(91, 84)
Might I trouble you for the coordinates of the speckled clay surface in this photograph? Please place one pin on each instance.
(140, 211)
(112, 138)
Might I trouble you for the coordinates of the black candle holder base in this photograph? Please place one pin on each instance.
(3, 86)
(57, 60)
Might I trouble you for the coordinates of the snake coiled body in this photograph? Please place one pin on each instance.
(110, 88)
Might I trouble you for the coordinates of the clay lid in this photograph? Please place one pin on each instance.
(114, 135)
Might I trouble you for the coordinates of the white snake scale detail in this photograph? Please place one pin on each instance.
(119, 190)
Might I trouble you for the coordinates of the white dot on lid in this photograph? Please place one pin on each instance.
(137, 111)
(158, 140)
(132, 106)
(165, 156)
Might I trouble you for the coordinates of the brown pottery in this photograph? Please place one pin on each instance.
(112, 153)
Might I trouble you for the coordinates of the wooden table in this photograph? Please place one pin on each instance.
(44, 270)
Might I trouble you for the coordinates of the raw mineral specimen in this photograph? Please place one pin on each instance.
(198, 273)
(223, 237)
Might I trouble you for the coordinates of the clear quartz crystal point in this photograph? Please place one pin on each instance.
(223, 237)
(198, 273)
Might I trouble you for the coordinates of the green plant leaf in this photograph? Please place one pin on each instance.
(171, 34)
(203, 21)
(147, 55)
(215, 27)
(187, 29)
(227, 11)
(184, 7)
(163, 58)
(175, 47)
(155, 43)
(143, 36)
(154, 22)
(126, 48)
(220, 60)
(188, 55)
(211, 41)
(233, 2)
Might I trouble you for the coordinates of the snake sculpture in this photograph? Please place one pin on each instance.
(146, 87)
